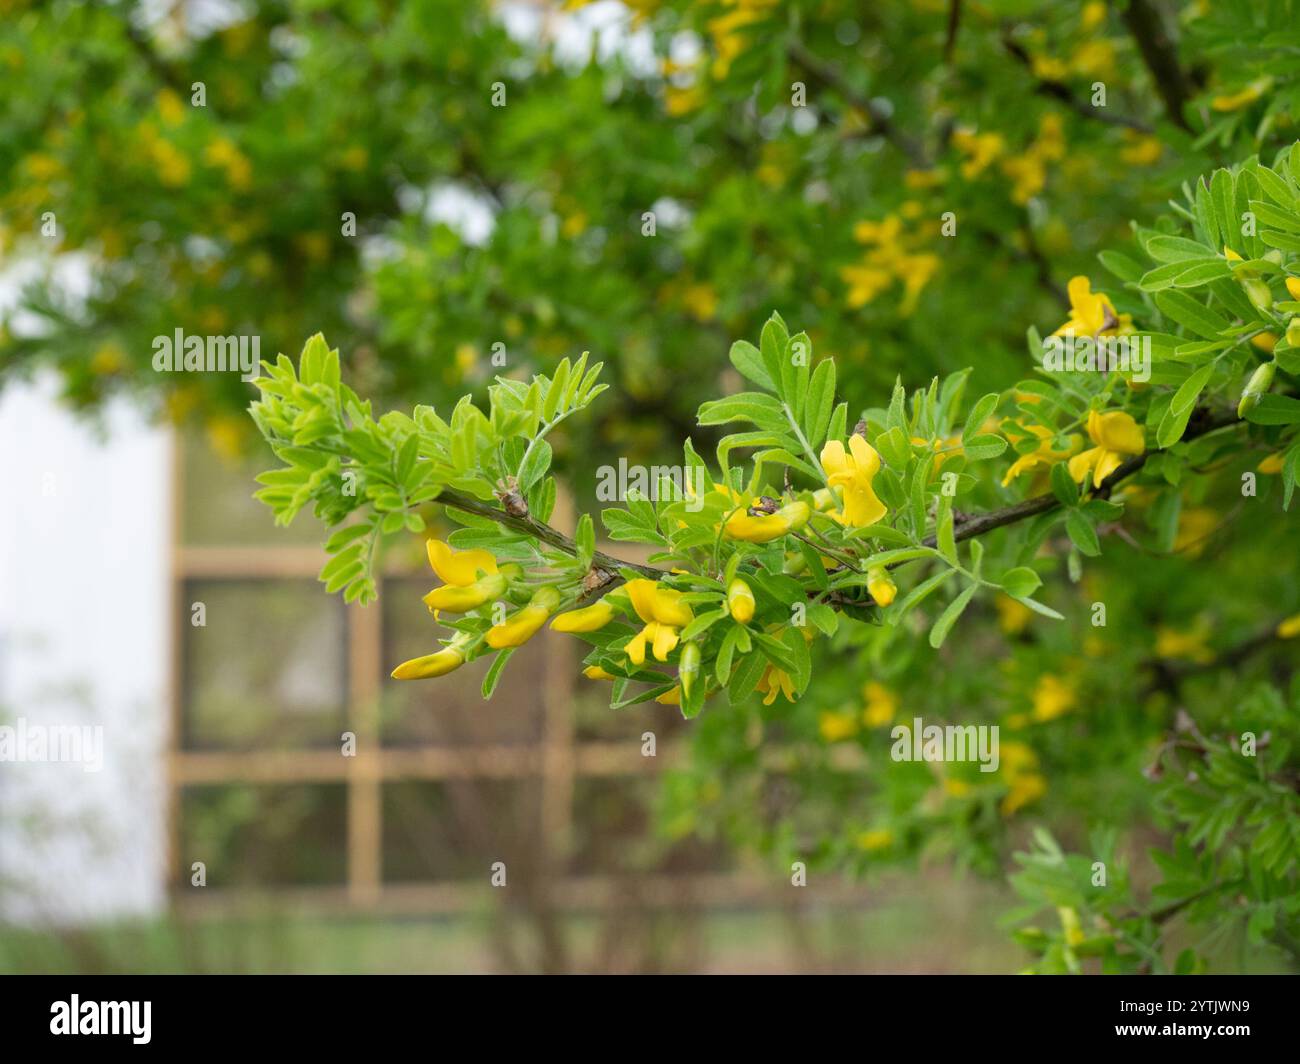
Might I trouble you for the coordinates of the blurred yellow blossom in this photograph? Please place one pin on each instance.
(881, 705)
(875, 839)
(836, 726)
(1053, 697)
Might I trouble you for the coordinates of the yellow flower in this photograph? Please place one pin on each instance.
(836, 727)
(740, 601)
(1093, 15)
(1024, 783)
(1092, 313)
(1023, 790)
(595, 672)
(1265, 341)
(456, 599)
(1042, 455)
(776, 681)
(762, 528)
(1195, 526)
(672, 697)
(880, 585)
(1052, 698)
(1141, 149)
(875, 839)
(1070, 925)
(865, 283)
(1013, 617)
(663, 612)
(980, 149)
(1116, 435)
(1272, 464)
(1293, 286)
(525, 623)
(854, 471)
(470, 578)
(882, 705)
(591, 619)
(439, 664)
(458, 567)
(1235, 101)
(1290, 628)
(700, 301)
(1190, 645)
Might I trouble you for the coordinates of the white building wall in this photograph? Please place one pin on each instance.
(84, 561)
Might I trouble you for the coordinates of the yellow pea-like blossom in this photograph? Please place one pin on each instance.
(1272, 464)
(881, 585)
(1289, 628)
(595, 672)
(664, 614)
(457, 599)
(524, 623)
(853, 471)
(458, 567)
(590, 619)
(440, 663)
(776, 681)
(1293, 286)
(763, 528)
(1042, 455)
(740, 601)
(1116, 436)
(1092, 313)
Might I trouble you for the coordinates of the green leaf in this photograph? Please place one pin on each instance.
(821, 401)
(979, 413)
(494, 673)
(1063, 485)
(1081, 533)
(1020, 582)
(1190, 390)
(745, 357)
(1275, 410)
(1191, 314)
(978, 448)
(939, 631)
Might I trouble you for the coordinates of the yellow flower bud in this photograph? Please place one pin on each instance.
(595, 672)
(1260, 382)
(1259, 293)
(526, 622)
(458, 599)
(439, 664)
(1290, 628)
(1293, 286)
(882, 588)
(1265, 341)
(763, 528)
(590, 619)
(689, 667)
(740, 601)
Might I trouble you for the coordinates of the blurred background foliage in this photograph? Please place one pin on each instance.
(527, 225)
